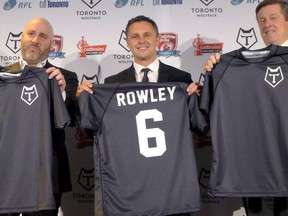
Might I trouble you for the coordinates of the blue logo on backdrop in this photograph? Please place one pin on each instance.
(120, 3)
(53, 4)
(238, 2)
(8, 5)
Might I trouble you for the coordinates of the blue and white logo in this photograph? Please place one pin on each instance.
(8, 5)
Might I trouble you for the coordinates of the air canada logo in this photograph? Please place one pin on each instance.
(29, 94)
(202, 47)
(86, 49)
(246, 38)
(86, 179)
(167, 45)
(91, 3)
(206, 2)
(13, 42)
(274, 76)
(56, 48)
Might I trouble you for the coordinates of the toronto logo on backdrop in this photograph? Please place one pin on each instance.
(207, 11)
(201, 47)
(13, 42)
(246, 38)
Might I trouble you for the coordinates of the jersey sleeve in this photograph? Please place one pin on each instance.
(197, 118)
(60, 113)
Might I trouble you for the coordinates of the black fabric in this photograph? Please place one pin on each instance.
(143, 150)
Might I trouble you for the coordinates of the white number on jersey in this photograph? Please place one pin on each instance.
(145, 133)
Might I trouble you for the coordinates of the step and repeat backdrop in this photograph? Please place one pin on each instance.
(90, 40)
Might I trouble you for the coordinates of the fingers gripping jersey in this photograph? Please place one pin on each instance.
(143, 148)
(246, 95)
(29, 103)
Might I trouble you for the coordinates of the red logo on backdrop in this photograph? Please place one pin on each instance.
(202, 47)
(56, 48)
(86, 49)
(167, 45)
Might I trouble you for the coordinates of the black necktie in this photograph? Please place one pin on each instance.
(145, 77)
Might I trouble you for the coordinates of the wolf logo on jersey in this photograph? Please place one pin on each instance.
(274, 76)
(29, 94)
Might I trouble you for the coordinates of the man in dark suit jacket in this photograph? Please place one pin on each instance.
(37, 39)
(142, 37)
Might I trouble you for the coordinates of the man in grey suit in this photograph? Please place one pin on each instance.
(142, 37)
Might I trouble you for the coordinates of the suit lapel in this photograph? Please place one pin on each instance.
(163, 73)
(130, 74)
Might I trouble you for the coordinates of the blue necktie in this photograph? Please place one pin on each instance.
(145, 77)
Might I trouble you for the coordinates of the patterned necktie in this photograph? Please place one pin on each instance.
(145, 77)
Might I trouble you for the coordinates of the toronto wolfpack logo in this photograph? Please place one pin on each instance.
(86, 179)
(13, 42)
(91, 3)
(246, 38)
(204, 178)
(274, 76)
(207, 2)
(29, 94)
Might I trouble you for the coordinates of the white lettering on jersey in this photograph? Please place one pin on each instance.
(274, 76)
(29, 94)
(145, 96)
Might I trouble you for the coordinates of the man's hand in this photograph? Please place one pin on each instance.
(209, 64)
(194, 87)
(53, 72)
(85, 86)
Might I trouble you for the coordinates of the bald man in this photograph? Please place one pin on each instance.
(36, 42)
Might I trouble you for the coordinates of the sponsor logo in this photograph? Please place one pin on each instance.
(29, 94)
(8, 5)
(13, 42)
(167, 2)
(83, 140)
(246, 38)
(120, 3)
(167, 45)
(86, 49)
(238, 2)
(56, 48)
(53, 4)
(274, 76)
(133, 3)
(202, 47)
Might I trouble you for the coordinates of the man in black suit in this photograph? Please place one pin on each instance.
(36, 42)
(142, 37)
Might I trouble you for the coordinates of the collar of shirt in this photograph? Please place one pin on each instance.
(23, 63)
(153, 73)
(285, 43)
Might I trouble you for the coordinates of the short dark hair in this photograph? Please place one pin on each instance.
(283, 4)
(141, 18)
